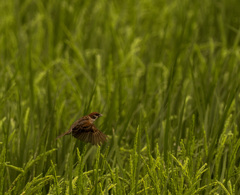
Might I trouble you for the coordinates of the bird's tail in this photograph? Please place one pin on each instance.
(66, 133)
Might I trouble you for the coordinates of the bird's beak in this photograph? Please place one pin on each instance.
(100, 115)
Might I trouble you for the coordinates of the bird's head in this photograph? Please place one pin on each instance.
(94, 115)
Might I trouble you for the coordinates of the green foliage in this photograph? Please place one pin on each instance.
(165, 75)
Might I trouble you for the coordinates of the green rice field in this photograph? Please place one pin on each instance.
(165, 75)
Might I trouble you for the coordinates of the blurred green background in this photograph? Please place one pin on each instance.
(165, 75)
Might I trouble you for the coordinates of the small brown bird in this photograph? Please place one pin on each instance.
(84, 130)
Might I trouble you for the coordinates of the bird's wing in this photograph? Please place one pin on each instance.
(77, 127)
(91, 134)
(81, 128)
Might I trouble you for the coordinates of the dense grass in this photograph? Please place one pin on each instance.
(165, 74)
